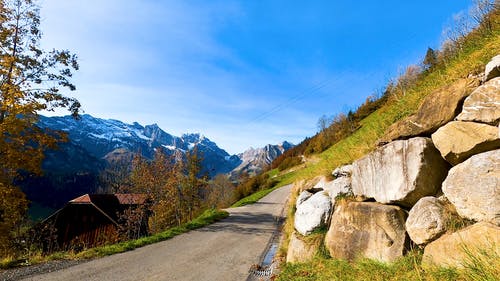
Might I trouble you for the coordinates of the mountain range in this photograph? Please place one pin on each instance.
(95, 143)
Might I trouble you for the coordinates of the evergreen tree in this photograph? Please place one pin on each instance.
(430, 59)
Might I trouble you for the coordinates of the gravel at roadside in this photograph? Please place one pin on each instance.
(26, 271)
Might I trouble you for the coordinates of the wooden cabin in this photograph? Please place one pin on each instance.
(95, 219)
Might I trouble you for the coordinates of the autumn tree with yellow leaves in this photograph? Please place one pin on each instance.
(31, 81)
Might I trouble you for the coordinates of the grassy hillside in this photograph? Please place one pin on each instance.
(468, 56)
(470, 59)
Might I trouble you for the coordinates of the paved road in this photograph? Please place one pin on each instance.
(222, 251)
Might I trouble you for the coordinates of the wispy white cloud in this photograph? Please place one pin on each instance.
(236, 71)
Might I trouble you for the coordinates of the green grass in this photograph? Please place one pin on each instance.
(485, 266)
(252, 198)
(282, 180)
(206, 218)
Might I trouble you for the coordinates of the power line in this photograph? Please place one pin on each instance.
(292, 100)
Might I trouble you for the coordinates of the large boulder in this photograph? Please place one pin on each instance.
(300, 250)
(367, 229)
(483, 105)
(313, 213)
(400, 172)
(459, 140)
(427, 220)
(456, 249)
(492, 69)
(437, 109)
(473, 187)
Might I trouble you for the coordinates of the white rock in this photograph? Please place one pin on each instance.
(341, 185)
(400, 172)
(492, 69)
(312, 213)
(483, 104)
(338, 187)
(303, 196)
(342, 171)
(473, 187)
(427, 220)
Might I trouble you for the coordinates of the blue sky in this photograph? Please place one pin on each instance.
(243, 73)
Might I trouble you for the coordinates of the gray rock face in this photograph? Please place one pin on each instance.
(254, 160)
(400, 172)
(483, 104)
(492, 69)
(437, 109)
(313, 213)
(473, 187)
(300, 251)
(367, 229)
(427, 220)
(448, 250)
(459, 140)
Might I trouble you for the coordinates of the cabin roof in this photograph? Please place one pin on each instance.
(108, 204)
(120, 198)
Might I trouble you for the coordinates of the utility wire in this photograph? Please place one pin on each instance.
(311, 91)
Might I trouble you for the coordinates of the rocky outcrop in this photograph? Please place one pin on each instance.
(400, 172)
(367, 229)
(456, 249)
(409, 171)
(459, 140)
(254, 160)
(437, 109)
(473, 187)
(483, 105)
(492, 69)
(313, 213)
(301, 251)
(427, 220)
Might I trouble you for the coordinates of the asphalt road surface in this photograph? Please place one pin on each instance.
(221, 251)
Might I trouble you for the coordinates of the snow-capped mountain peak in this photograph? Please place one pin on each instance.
(253, 160)
(101, 137)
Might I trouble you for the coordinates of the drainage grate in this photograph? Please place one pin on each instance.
(262, 271)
